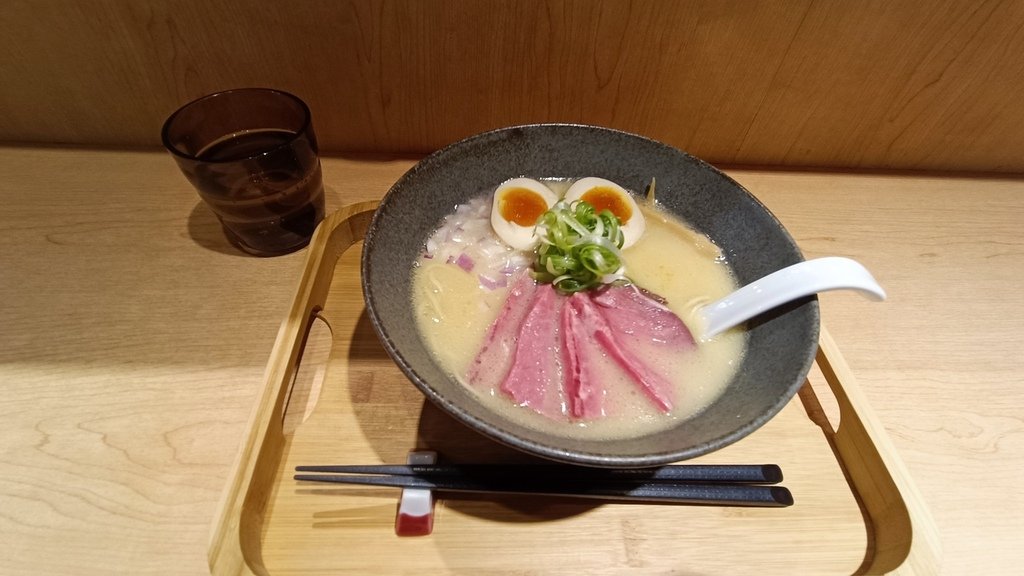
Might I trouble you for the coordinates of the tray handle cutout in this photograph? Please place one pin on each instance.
(309, 373)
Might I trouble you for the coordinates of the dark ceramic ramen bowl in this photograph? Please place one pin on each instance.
(781, 344)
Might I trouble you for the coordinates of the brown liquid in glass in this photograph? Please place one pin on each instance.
(273, 206)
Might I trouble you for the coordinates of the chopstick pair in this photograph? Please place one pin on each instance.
(722, 485)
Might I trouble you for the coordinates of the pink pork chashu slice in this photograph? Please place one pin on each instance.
(535, 378)
(494, 359)
(584, 393)
(594, 325)
(631, 310)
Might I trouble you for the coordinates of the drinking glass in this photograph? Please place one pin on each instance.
(252, 155)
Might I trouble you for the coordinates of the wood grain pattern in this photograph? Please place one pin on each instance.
(134, 341)
(911, 85)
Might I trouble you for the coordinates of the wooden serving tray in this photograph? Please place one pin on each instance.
(856, 508)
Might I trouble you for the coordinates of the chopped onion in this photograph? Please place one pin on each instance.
(464, 262)
(467, 240)
(492, 283)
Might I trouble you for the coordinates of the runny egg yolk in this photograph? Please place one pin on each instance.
(604, 198)
(521, 206)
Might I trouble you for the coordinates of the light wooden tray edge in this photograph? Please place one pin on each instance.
(231, 549)
(905, 535)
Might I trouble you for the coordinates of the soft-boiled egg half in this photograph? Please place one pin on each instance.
(604, 194)
(517, 205)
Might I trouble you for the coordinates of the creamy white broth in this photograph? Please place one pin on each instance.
(454, 312)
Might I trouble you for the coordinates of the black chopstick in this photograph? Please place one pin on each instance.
(660, 492)
(704, 473)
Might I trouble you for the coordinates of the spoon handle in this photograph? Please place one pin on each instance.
(792, 282)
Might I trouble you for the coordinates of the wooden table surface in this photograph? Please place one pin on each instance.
(133, 341)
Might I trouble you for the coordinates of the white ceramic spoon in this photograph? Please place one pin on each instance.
(790, 283)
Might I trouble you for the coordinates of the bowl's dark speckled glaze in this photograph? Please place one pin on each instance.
(781, 344)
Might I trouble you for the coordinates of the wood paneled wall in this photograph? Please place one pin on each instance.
(831, 83)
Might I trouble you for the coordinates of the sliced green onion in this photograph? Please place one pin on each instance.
(579, 248)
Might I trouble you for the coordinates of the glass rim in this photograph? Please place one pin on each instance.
(306, 123)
